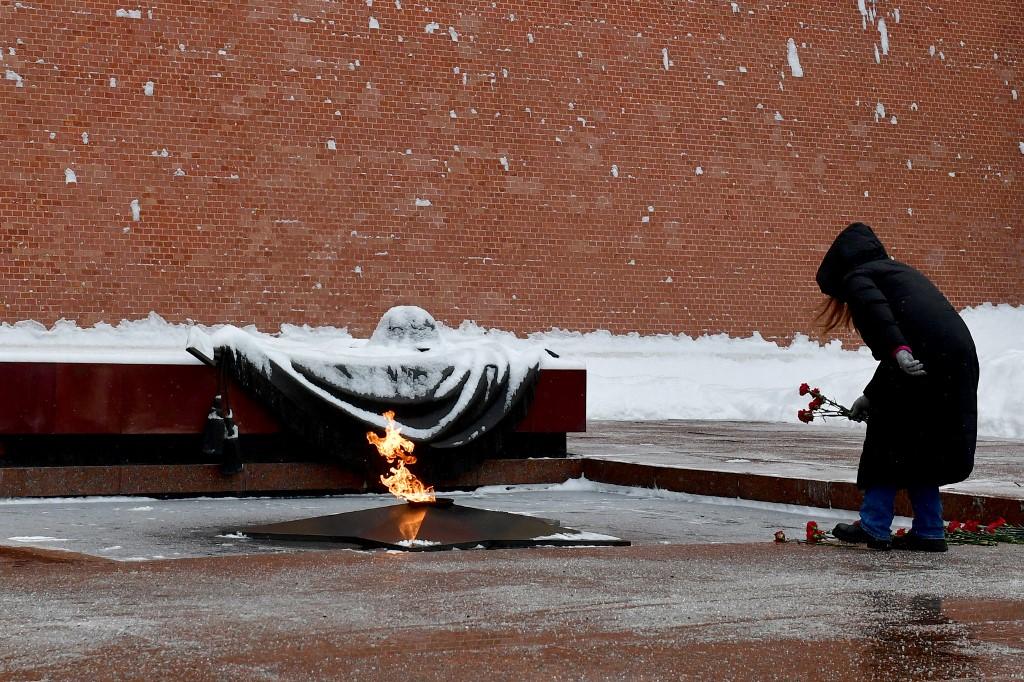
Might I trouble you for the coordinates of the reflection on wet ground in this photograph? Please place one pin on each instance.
(913, 638)
(655, 612)
(995, 625)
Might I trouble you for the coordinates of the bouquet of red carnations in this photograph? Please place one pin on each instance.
(974, 533)
(957, 533)
(820, 406)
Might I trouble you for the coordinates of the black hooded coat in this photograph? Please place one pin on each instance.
(921, 430)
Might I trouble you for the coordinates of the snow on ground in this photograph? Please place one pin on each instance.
(629, 377)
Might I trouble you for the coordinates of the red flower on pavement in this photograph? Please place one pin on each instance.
(780, 536)
(816, 403)
(806, 416)
(991, 528)
(901, 532)
(814, 534)
(805, 389)
(815, 392)
(993, 533)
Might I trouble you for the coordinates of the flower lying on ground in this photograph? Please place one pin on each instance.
(998, 523)
(967, 533)
(814, 534)
(971, 532)
(820, 406)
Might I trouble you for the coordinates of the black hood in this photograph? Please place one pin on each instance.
(854, 246)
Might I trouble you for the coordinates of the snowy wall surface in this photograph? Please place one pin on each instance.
(629, 377)
(649, 166)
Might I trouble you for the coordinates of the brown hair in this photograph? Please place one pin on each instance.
(832, 314)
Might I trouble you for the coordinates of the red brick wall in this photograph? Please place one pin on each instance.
(264, 223)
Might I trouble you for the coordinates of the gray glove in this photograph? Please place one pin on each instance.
(908, 364)
(859, 409)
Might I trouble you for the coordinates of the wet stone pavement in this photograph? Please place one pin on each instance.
(732, 611)
(141, 529)
(137, 588)
(703, 593)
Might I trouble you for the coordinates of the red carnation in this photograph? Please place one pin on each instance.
(972, 526)
(813, 534)
(820, 406)
(780, 536)
(991, 528)
(953, 526)
(901, 532)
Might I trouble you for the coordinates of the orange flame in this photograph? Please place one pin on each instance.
(402, 483)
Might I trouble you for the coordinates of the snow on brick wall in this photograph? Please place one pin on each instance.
(468, 156)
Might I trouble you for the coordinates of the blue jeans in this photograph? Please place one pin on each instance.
(876, 512)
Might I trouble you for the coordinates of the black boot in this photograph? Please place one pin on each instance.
(916, 543)
(852, 532)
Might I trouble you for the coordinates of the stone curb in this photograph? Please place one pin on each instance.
(789, 490)
(309, 478)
